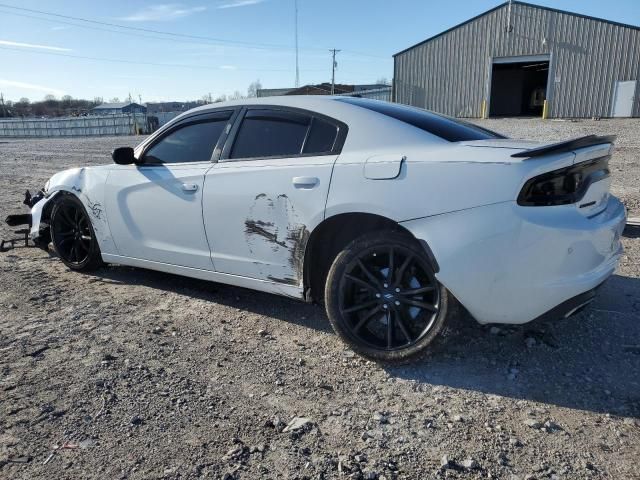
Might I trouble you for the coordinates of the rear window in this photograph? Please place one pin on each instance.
(452, 130)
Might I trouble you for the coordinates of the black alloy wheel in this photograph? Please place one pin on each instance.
(73, 236)
(389, 304)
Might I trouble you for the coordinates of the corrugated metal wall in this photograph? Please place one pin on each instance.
(451, 73)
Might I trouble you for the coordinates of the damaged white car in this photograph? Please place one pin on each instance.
(387, 214)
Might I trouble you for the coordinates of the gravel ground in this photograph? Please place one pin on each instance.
(137, 374)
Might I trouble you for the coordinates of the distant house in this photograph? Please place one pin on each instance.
(118, 108)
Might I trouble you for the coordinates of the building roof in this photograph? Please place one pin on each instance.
(113, 106)
(269, 92)
(516, 2)
(325, 89)
(321, 89)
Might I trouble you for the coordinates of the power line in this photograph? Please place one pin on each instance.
(139, 62)
(145, 30)
(111, 30)
(173, 36)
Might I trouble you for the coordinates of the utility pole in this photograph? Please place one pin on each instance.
(295, 5)
(334, 64)
(140, 98)
(4, 109)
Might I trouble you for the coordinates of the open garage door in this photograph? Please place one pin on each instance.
(518, 86)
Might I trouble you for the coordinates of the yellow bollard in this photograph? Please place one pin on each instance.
(484, 109)
(545, 112)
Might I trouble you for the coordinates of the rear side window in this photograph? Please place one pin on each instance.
(270, 133)
(193, 142)
(322, 136)
(452, 130)
(280, 133)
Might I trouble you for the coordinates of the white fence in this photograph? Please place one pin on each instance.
(74, 126)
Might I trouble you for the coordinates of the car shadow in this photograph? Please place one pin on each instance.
(282, 308)
(590, 361)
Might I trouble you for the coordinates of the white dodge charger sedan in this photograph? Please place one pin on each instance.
(385, 213)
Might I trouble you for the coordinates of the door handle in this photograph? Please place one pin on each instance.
(189, 187)
(305, 182)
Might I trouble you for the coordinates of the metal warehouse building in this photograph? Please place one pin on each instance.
(519, 59)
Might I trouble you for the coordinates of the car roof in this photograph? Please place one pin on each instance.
(297, 101)
(367, 129)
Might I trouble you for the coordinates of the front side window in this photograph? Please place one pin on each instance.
(279, 133)
(191, 143)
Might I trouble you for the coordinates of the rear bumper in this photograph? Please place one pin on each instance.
(511, 264)
(571, 306)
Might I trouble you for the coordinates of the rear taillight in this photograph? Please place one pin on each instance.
(563, 186)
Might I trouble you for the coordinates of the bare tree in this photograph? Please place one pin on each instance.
(114, 100)
(236, 96)
(252, 91)
(221, 98)
(383, 81)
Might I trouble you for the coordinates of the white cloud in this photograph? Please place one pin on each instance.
(228, 67)
(30, 86)
(9, 43)
(239, 3)
(163, 12)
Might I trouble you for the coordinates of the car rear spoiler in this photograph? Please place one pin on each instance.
(567, 146)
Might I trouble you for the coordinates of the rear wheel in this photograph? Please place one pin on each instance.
(383, 299)
(73, 236)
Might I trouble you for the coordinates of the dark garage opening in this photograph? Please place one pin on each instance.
(518, 89)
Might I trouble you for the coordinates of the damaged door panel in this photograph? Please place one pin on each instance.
(258, 220)
(269, 190)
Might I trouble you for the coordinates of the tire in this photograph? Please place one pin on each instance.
(390, 319)
(72, 235)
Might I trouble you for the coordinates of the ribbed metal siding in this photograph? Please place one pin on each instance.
(451, 73)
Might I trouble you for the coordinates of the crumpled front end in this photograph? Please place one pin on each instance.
(86, 183)
(30, 223)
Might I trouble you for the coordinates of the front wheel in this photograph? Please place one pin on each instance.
(383, 299)
(73, 236)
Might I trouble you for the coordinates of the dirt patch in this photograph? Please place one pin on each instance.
(140, 375)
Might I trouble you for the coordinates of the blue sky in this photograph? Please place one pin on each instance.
(246, 40)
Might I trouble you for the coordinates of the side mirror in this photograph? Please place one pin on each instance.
(123, 156)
